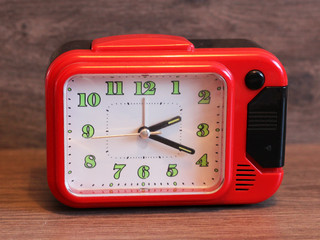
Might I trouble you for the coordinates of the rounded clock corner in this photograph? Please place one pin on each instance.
(64, 196)
(275, 73)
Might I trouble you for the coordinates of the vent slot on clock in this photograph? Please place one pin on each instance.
(245, 177)
(262, 121)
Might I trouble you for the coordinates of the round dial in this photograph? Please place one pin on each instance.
(133, 134)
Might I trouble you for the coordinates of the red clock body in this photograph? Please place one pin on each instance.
(232, 152)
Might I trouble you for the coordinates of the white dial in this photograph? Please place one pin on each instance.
(131, 134)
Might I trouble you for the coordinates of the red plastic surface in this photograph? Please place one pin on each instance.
(137, 42)
(245, 182)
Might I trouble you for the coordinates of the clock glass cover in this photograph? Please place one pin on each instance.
(133, 134)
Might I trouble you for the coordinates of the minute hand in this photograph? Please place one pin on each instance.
(172, 144)
(164, 124)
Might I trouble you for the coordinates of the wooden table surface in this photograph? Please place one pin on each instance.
(29, 211)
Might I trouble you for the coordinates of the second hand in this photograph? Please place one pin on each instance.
(126, 135)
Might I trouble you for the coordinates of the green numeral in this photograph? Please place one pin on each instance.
(93, 99)
(143, 172)
(205, 97)
(149, 86)
(138, 88)
(203, 161)
(172, 170)
(203, 130)
(87, 131)
(175, 87)
(82, 100)
(119, 168)
(114, 88)
(90, 161)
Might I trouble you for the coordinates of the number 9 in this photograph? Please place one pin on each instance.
(87, 131)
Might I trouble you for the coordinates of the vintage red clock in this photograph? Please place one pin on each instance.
(150, 120)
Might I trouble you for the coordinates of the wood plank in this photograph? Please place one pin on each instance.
(29, 211)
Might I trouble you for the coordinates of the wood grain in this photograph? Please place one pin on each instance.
(31, 30)
(29, 211)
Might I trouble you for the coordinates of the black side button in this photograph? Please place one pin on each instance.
(254, 79)
(266, 127)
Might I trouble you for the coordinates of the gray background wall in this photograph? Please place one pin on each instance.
(31, 30)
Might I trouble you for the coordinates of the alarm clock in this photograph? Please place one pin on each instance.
(158, 120)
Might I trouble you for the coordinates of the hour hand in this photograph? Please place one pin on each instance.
(164, 124)
(172, 144)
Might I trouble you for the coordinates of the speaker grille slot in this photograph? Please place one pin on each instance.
(262, 121)
(245, 177)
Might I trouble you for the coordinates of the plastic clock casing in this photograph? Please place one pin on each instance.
(245, 181)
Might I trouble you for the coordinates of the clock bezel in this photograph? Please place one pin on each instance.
(144, 186)
(156, 67)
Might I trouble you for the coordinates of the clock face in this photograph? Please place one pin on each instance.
(133, 134)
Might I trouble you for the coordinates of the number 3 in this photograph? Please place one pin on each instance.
(203, 130)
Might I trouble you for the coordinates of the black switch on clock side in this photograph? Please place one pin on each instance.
(266, 127)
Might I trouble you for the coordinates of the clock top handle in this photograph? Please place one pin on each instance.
(141, 42)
